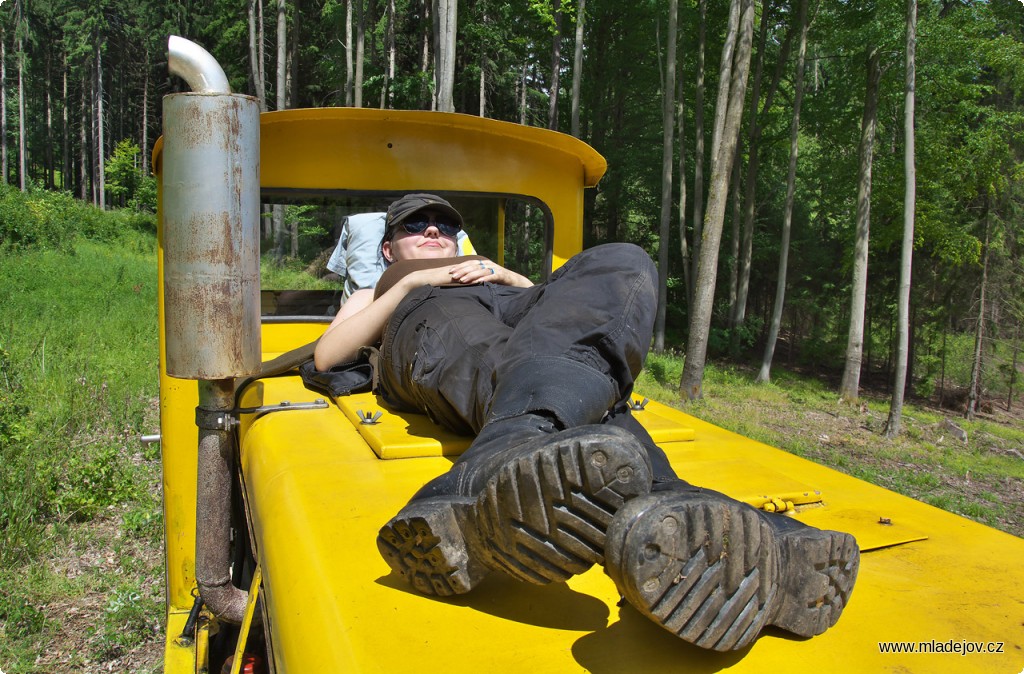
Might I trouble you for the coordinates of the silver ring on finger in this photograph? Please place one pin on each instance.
(492, 270)
(482, 266)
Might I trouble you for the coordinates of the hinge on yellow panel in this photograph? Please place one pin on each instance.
(781, 503)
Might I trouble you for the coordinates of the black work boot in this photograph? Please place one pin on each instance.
(535, 506)
(715, 571)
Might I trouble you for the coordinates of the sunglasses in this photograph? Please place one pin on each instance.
(446, 227)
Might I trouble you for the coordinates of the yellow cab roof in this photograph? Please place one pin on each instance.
(318, 483)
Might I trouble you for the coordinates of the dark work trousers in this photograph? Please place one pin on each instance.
(570, 348)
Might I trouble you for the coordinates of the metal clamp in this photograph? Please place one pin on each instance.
(215, 420)
(220, 420)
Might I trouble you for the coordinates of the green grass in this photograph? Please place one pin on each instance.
(290, 275)
(80, 516)
(78, 331)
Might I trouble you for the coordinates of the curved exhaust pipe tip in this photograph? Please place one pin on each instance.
(196, 66)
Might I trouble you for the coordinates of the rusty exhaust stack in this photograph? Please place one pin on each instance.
(211, 285)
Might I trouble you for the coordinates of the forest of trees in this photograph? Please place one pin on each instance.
(773, 155)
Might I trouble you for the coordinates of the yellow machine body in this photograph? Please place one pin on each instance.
(317, 484)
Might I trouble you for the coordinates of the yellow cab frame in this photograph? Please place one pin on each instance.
(316, 484)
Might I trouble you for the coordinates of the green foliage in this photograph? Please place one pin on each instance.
(35, 219)
(721, 340)
(126, 182)
(145, 521)
(122, 171)
(39, 219)
(302, 217)
(82, 485)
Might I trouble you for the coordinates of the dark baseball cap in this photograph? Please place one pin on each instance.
(402, 209)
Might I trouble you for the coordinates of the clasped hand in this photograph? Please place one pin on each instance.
(468, 272)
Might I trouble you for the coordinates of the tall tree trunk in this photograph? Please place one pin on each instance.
(483, 87)
(974, 392)
(93, 179)
(49, 169)
(386, 93)
(145, 115)
(294, 66)
(892, 426)
(284, 75)
(690, 384)
(849, 388)
(357, 92)
(261, 56)
(744, 244)
(734, 223)
(66, 180)
(83, 144)
(681, 117)
(21, 115)
(698, 152)
(764, 375)
(281, 85)
(483, 72)
(427, 32)
(668, 125)
(349, 56)
(522, 95)
(256, 54)
(255, 63)
(577, 68)
(445, 22)
(556, 66)
(100, 142)
(724, 69)
(257, 59)
(279, 93)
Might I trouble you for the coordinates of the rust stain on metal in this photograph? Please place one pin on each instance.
(195, 126)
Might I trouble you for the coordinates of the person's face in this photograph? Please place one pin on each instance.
(430, 243)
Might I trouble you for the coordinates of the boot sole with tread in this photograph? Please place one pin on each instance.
(543, 516)
(540, 518)
(714, 572)
(426, 545)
